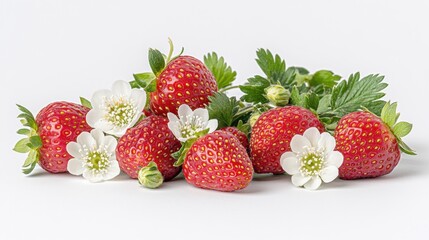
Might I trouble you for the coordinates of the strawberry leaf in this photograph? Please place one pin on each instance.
(254, 90)
(156, 61)
(227, 110)
(223, 73)
(269, 64)
(324, 78)
(355, 93)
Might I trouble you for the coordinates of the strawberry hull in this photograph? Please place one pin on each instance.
(185, 80)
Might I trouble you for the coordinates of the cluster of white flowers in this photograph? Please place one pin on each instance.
(113, 112)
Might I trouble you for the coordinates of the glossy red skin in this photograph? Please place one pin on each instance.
(58, 124)
(241, 136)
(218, 161)
(273, 132)
(185, 80)
(150, 140)
(369, 147)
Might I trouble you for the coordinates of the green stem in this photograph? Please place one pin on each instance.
(170, 53)
(227, 88)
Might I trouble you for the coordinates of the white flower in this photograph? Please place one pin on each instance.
(93, 156)
(116, 110)
(312, 159)
(189, 122)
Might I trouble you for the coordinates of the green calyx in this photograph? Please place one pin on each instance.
(150, 176)
(253, 118)
(157, 61)
(277, 95)
(400, 129)
(31, 142)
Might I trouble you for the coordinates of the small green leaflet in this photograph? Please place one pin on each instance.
(223, 73)
(85, 102)
(254, 90)
(271, 65)
(146, 80)
(156, 61)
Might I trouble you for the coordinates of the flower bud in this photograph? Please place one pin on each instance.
(150, 176)
(277, 95)
(253, 118)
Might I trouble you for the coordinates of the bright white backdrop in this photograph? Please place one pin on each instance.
(59, 50)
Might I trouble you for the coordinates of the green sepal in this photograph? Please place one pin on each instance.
(223, 73)
(402, 129)
(146, 80)
(181, 154)
(25, 110)
(150, 176)
(29, 169)
(32, 143)
(24, 131)
(85, 102)
(33, 156)
(21, 146)
(156, 61)
(405, 148)
(389, 116)
(35, 142)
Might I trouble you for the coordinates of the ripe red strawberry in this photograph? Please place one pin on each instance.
(185, 80)
(48, 135)
(241, 136)
(370, 145)
(272, 133)
(150, 140)
(218, 161)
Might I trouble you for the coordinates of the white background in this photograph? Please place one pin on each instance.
(60, 50)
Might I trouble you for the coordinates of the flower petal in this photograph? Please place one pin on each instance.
(138, 97)
(298, 143)
(73, 148)
(202, 113)
(117, 131)
(290, 163)
(94, 116)
(75, 166)
(121, 88)
(328, 174)
(313, 135)
(184, 111)
(92, 177)
(174, 128)
(314, 183)
(172, 118)
(335, 158)
(98, 136)
(86, 139)
(299, 179)
(212, 125)
(98, 100)
(113, 171)
(327, 142)
(110, 143)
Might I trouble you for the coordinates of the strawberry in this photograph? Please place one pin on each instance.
(182, 80)
(185, 80)
(150, 140)
(218, 161)
(241, 136)
(272, 133)
(48, 134)
(371, 145)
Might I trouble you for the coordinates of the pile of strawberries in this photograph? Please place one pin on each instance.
(253, 131)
